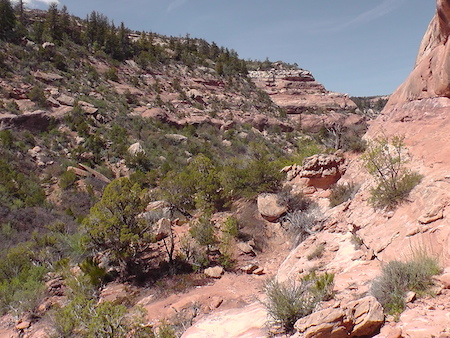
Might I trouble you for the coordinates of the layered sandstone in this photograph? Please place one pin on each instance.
(297, 91)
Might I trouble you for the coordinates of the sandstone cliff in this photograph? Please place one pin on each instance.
(307, 103)
(430, 77)
(297, 91)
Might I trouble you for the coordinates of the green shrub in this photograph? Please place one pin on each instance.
(6, 138)
(67, 179)
(83, 317)
(287, 302)
(245, 179)
(341, 193)
(96, 274)
(196, 186)
(113, 223)
(301, 224)
(321, 286)
(165, 330)
(21, 282)
(37, 95)
(12, 107)
(354, 143)
(386, 160)
(23, 293)
(112, 74)
(397, 278)
(387, 194)
(230, 227)
(316, 253)
(204, 232)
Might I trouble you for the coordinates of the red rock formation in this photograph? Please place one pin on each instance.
(297, 91)
(430, 77)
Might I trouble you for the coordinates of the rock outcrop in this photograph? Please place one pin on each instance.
(319, 171)
(308, 104)
(360, 318)
(297, 91)
(430, 77)
(418, 110)
(38, 121)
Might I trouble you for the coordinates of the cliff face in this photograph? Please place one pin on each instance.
(297, 91)
(430, 77)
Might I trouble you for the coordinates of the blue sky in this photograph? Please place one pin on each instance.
(359, 47)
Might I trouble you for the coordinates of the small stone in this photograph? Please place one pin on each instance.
(390, 214)
(214, 272)
(410, 297)
(357, 255)
(390, 331)
(245, 248)
(23, 325)
(216, 302)
(259, 271)
(370, 255)
(445, 280)
(249, 268)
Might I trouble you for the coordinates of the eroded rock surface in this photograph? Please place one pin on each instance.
(297, 91)
(245, 322)
(360, 318)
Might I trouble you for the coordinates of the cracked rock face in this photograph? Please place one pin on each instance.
(360, 318)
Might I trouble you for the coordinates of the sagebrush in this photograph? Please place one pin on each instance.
(397, 278)
(386, 160)
(287, 302)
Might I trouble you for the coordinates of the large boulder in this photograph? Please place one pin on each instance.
(271, 207)
(135, 149)
(360, 318)
(322, 170)
(38, 120)
(327, 323)
(214, 272)
(366, 315)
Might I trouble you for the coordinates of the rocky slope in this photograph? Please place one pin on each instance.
(307, 103)
(419, 111)
(80, 111)
(181, 108)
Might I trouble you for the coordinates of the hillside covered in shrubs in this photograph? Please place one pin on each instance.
(109, 139)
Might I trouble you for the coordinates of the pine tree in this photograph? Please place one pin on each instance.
(52, 22)
(7, 20)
